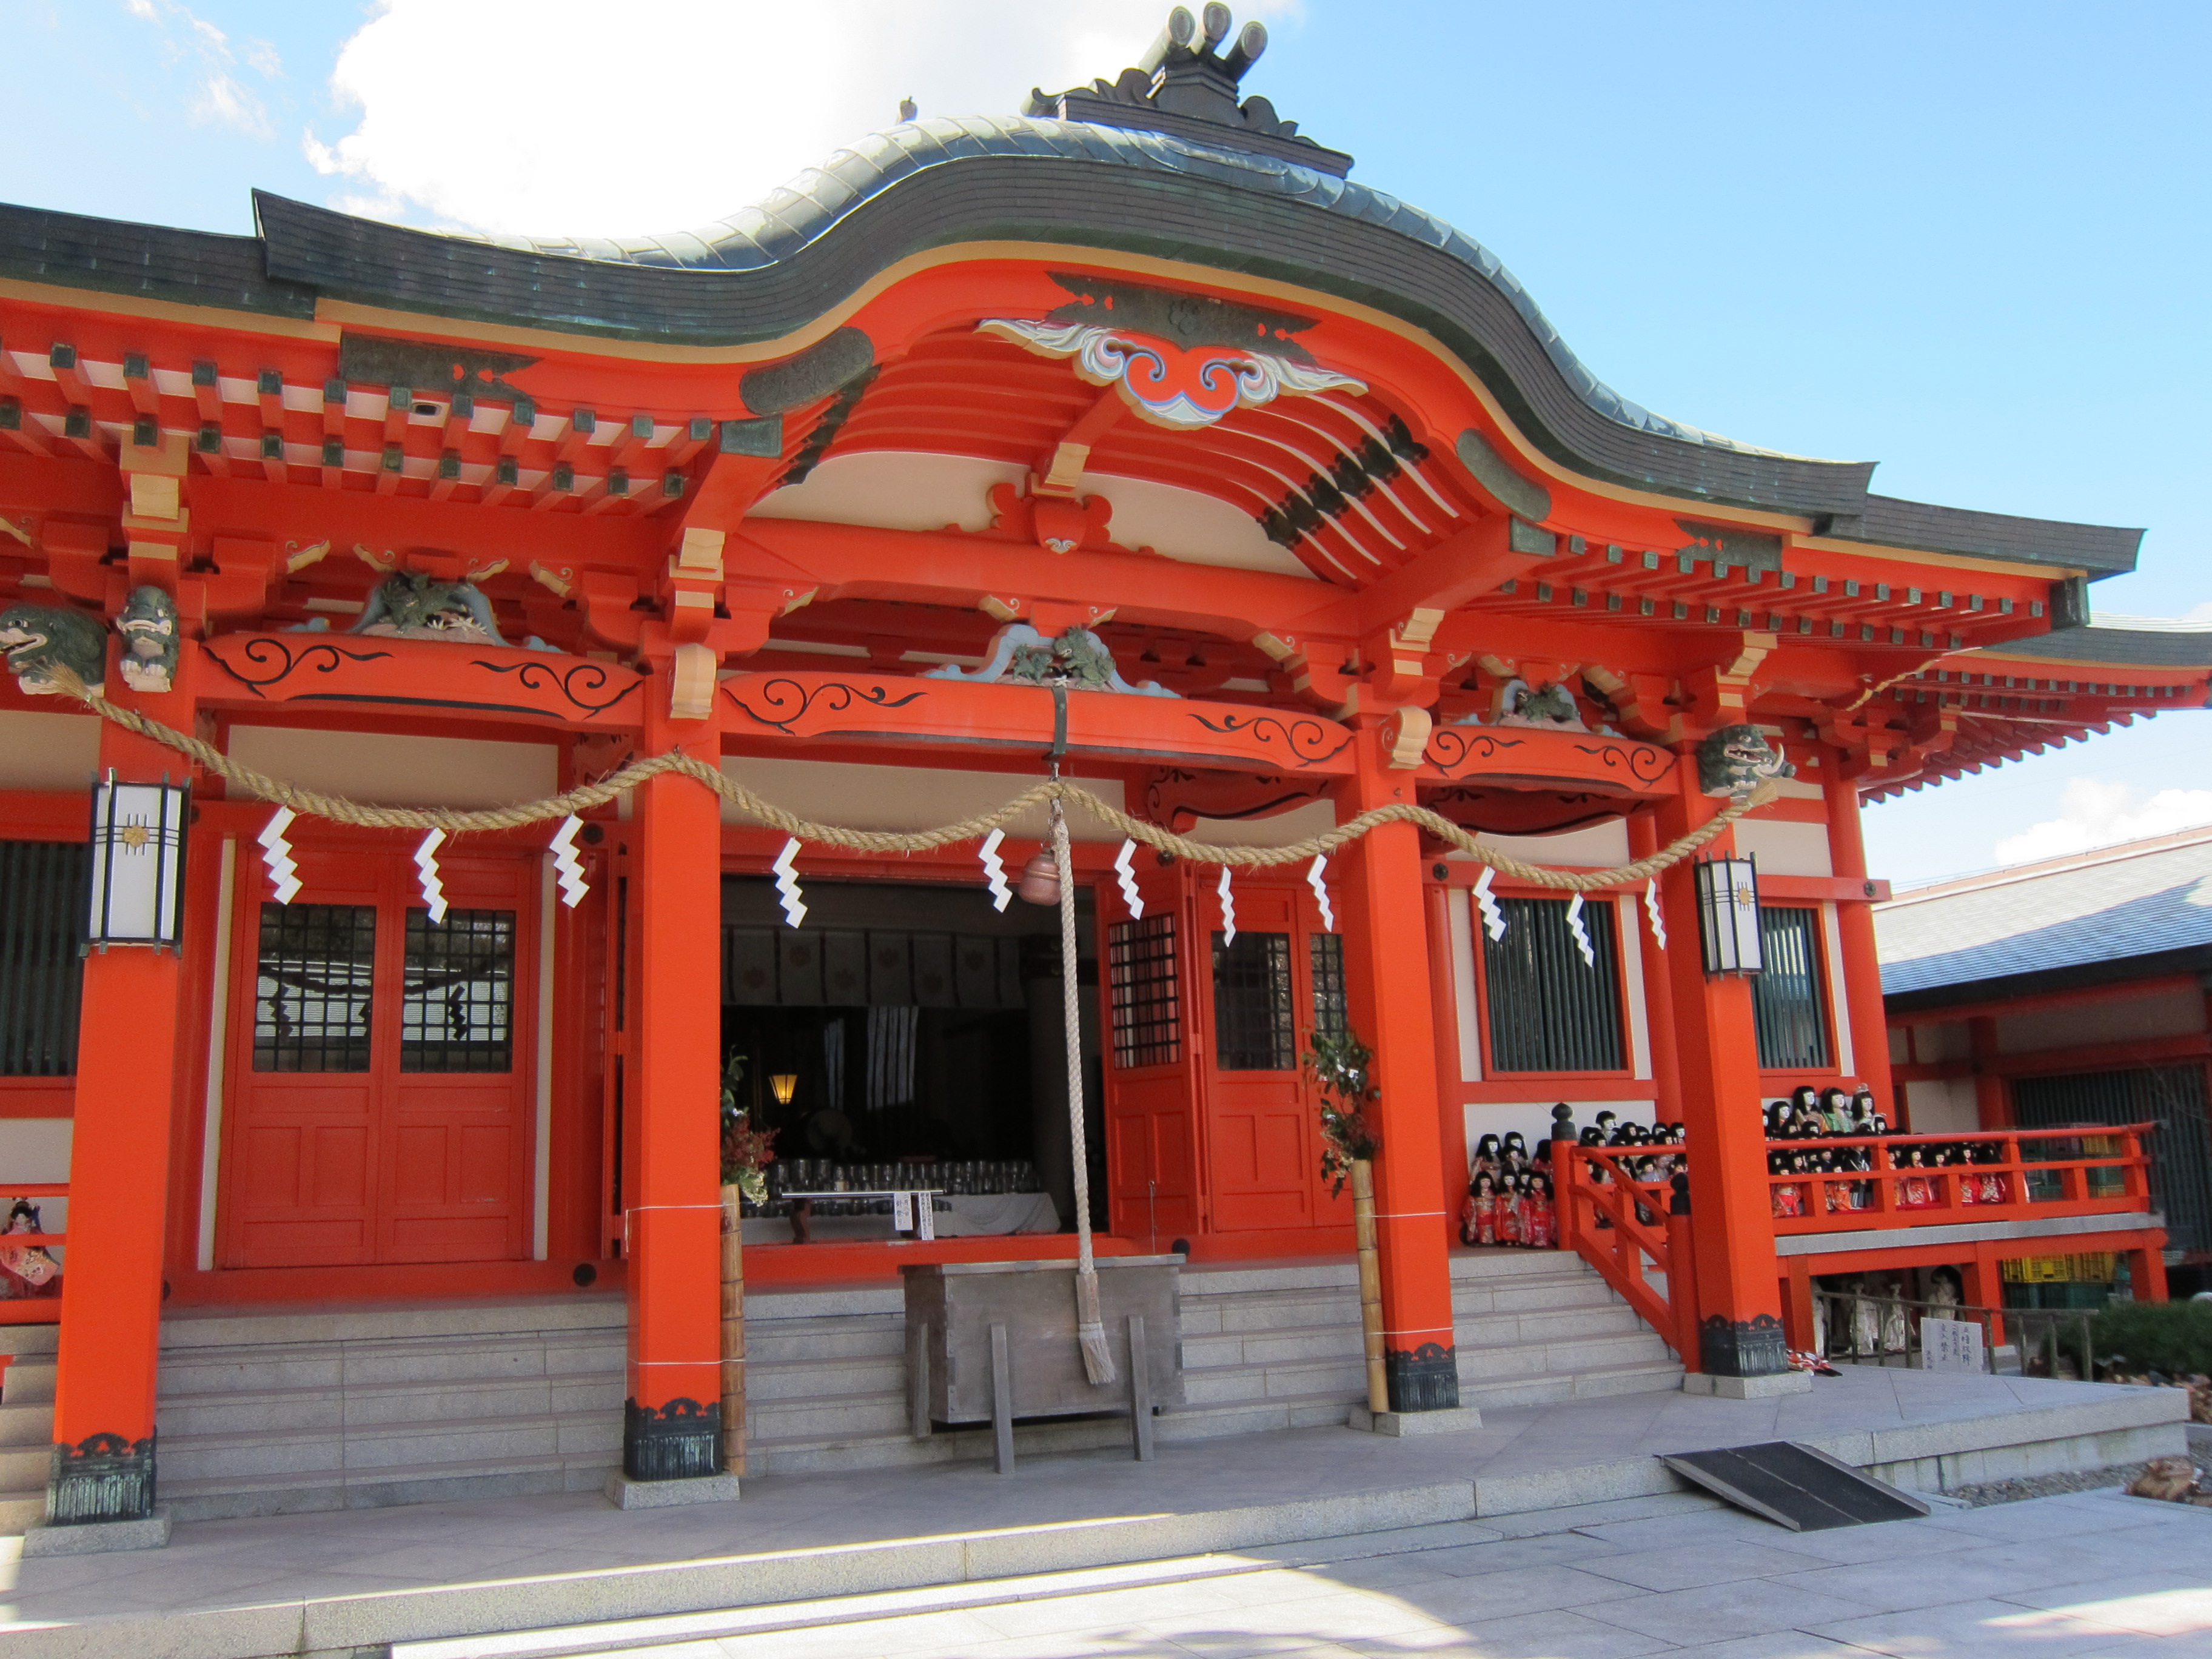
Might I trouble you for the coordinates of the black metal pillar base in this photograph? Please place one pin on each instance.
(1741, 1347)
(680, 1441)
(104, 1477)
(1425, 1380)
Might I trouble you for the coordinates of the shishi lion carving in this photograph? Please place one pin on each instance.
(1736, 760)
(40, 638)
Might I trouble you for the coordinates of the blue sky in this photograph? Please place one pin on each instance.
(1969, 241)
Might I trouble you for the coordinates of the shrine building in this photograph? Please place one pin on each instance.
(1127, 437)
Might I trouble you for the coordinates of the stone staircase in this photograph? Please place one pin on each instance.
(274, 1412)
(27, 1423)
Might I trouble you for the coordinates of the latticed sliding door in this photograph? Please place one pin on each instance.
(1152, 1134)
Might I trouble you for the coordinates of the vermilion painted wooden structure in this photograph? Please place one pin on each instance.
(1293, 451)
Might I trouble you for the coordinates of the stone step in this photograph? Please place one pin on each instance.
(21, 1510)
(1559, 1358)
(30, 1380)
(357, 1365)
(368, 1448)
(23, 1468)
(31, 1424)
(246, 1410)
(1592, 1382)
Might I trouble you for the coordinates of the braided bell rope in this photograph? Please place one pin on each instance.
(316, 803)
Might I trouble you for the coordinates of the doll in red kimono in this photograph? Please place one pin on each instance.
(1511, 1210)
(1478, 1223)
(26, 1270)
(1541, 1224)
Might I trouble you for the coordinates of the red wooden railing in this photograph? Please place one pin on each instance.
(1622, 1227)
(1626, 1229)
(34, 1310)
(2106, 1172)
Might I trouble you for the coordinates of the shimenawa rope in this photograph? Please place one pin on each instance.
(315, 803)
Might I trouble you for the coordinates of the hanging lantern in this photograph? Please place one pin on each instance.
(138, 867)
(1728, 915)
(786, 1085)
(1039, 882)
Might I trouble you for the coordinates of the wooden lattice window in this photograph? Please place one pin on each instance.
(458, 1011)
(42, 900)
(317, 977)
(1142, 980)
(1788, 997)
(1549, 1009)
(1252, 1025)
(1331, 1015)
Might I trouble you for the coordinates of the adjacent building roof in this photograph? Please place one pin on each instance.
(2118, 913)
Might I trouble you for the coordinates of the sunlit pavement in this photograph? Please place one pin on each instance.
(2085, 1575)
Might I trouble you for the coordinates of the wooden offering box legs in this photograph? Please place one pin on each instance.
(990, 1341)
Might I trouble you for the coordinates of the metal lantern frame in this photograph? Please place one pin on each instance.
(1727, 916)
(135, 876)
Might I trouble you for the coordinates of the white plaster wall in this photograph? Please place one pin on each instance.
(1784, 848)
(1942, 1106)
(401, 771)
(902, 796)
(1595, 846)
(47, 751)
(895, 489)
(1279, 830)
(36, 1150)
(2117, 1019)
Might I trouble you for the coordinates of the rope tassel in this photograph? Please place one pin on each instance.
(1089, 1326)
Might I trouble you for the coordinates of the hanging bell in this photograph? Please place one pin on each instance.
(1039, 882)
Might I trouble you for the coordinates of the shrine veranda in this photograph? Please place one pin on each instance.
(1127, 436)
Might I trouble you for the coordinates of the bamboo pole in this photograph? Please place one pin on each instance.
(733, 1332)
(1371, 1282)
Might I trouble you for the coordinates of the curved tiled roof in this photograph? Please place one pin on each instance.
(817, 198)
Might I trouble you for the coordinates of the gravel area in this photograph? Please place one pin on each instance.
(2044, 1485)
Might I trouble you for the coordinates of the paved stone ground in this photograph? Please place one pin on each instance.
(2088, 1575)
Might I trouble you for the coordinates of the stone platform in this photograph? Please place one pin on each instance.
(336, 1581)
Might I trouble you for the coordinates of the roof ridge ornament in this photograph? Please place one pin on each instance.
(1184, 87)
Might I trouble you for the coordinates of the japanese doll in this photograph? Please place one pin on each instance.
(1789, 1197)
(1509, 1210)
(1540, 1224)
(1477, 1217)
(26, 1270)
(1915, 1191)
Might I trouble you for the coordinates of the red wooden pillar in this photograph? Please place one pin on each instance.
(1386, 981)
(1992, 1104)
(1739, 1333)
(1855, 923)
(103, 1467)
(1658, 988)
(672, 1421)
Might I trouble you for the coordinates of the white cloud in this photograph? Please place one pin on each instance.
(573, 118)
(217, 95)
(2093, 812)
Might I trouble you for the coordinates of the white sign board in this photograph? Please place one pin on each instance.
(1951, 1345)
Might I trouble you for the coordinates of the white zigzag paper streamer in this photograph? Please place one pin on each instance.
(426, 861)
(1577, 927)
(1228, 909)
(567, 866)
(786, 883)
(994, 870)
(1493, 919)
(276, 854)
(1129, 893)
(1313, 880)
(1651, 909)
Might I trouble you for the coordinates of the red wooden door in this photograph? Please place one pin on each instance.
(1262, 1127)
(1150, 964)
(380, 1065)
